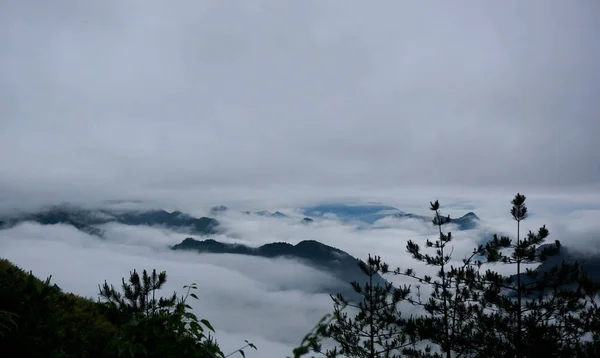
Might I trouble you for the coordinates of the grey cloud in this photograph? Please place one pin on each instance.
(116, 98)
(270, 104)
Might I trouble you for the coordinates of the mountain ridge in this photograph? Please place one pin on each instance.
(86, 220)
(310, 252)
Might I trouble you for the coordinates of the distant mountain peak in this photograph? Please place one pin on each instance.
(471, 215)
(218, 209)
(367, 213)
(277, 214)
(466, 222)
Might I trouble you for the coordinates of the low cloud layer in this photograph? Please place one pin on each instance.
(270, 105)
(269, 302)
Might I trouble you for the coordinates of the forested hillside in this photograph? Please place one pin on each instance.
(38, 319)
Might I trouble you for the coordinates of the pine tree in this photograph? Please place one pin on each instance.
(588, 320)
(531, 316)
(139, 294)
(377, 329)
(163, 327)
(473, 315)
(450, 312)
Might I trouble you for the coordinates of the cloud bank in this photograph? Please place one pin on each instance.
(266, 105)
(270, 302)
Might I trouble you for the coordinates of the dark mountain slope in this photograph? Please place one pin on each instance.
(86, 220)
(312, 253)
(590, 263)
(173, 220)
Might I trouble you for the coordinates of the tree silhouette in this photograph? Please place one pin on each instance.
(139, 294)
(531, 316)
(158, 327)
(470, 314)
(450, 314)
(377, 328)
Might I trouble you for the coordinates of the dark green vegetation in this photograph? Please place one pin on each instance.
(470, 310)
(38, 319)
(41, 320)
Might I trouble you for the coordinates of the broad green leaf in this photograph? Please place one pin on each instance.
(207, 324)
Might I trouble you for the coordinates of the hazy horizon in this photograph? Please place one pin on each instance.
(270, 105)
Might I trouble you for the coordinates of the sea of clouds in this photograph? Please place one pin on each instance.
(271, 302)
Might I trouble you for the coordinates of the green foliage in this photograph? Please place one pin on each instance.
(162, 327)
(139, 295)
(312, 341)
(158, 327)
(37, 319)
(7, 322)
(533, 313)
(468, 313)
(449, 317)
(44, 321)
(378, 329)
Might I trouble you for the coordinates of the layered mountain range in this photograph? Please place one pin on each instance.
(88, 220)
(334, 261)
(370, 214)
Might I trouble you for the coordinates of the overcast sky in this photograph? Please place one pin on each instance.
(133, 98)
(272, 102)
